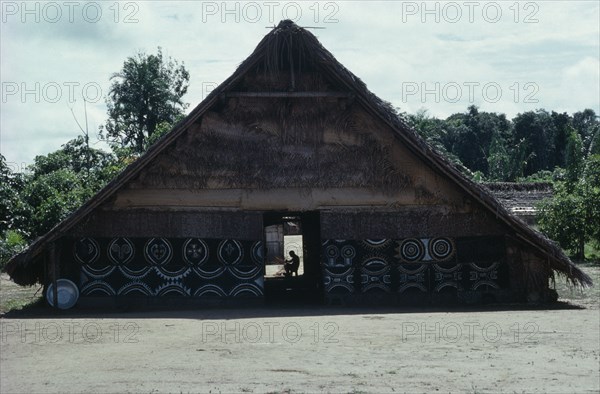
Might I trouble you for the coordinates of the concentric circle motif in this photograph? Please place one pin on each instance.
(332, 252)
(86, 251)
(97, 287)
(135, 288)
(158, 251)
(348, 252)
(230, 252)
(120, 251)
(209, 290)
(441, 249)
(412, 250)
(195, 251)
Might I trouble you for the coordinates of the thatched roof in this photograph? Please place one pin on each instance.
(291, 48)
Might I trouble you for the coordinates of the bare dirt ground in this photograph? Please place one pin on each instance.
(510, 349)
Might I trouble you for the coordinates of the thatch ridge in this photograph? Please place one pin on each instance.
(275, 51)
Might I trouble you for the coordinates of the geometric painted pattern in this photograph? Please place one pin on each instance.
(189, 267)
(338, 269)
(417, 265)
(193, 267)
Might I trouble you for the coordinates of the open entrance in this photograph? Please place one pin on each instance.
(292, 257)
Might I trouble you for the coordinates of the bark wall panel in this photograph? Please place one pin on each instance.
(408, 223)
(147, 223)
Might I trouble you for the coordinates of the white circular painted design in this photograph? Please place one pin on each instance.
(441, 249)
(230, 252)
(86, 251)
(158, 251)
(332, 252)
(348, 252)
(195, 252)
(412, 250)
(120, 251)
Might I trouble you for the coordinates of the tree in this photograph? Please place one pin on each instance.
(562, 218)
(146, 92)
(13, 212)
(470, 136)
(434, 131)
(60, 182)
(573, 158)
(587, 124)
(538, 130)
(562, 124)
(572, 216)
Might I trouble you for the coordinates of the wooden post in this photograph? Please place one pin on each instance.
(55, 273)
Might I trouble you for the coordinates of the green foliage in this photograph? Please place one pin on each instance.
(540, 176)
(14, 212)
(562, 218)
(54, 196)
(434, 131)
(54, 186)
(509, 151)
(538, 129)
(588, 127)
(572, 216)
(470, 136)
(145, 93)
(11, 243)
(573, 158)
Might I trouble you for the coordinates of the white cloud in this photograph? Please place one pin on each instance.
(386, 44)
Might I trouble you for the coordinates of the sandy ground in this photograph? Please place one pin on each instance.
(276, 349)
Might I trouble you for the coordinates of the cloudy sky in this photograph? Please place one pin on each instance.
(504, 56)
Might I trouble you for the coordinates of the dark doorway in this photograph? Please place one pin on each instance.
(299, 232)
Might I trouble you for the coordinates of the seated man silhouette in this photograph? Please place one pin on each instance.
(292, 264)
